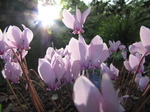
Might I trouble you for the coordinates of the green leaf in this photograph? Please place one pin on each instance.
(0, 107)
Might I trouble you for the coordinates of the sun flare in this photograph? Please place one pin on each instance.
(48, 13)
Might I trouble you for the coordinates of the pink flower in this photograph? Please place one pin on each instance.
(134, 61)
(138, 47)
(12, 71)
(87, 97)
(19, 39)
(114, 46)
(75, 22)
(143, 82)
(97, 52)
(112, 71)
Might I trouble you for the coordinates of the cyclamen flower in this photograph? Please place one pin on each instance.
(16, 38)
(134, 61)
(138, 48)
(142, 81)
(75, 22)
(112, 71)
(87, 97)
(97, 52)
(114, 46)
(9, 55)
(12, 71)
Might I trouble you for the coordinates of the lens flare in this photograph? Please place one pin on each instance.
(48, 13)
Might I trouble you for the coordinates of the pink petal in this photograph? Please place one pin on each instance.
(68, 19)
(75, 69)
(85, 14)
(78, 15)
(145, 37)
(127, 65)
(49, 53)
(133, 61)
(28, 35)
(95, 48)
(105, 69)
(104, 54)
(143, 82)
(87, 97)
(110, 98)
(46, 73)
(77, 50)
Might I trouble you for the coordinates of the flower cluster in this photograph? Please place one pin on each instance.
(68, 65)
(14, 44)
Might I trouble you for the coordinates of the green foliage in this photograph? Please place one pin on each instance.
(118, 21)
(0, 107)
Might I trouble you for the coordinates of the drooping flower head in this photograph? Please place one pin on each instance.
(75, 22)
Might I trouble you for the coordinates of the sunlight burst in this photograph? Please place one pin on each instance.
(48, 13)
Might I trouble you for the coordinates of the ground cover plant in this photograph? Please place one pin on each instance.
(63, 81)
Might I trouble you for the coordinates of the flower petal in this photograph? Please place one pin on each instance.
(87, 97)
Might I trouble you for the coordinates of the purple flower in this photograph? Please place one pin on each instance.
(97, 52)
(113, 72)
(134, 61)
(138, 47)
(19, 39)
(114, 46)
(75, 22)
(143, 82)
(12, 71)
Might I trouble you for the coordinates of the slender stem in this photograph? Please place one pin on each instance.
(120, 77)
(87, 73)
(126, 80)
(53, 102)
(137, 69)
(34, 96)
(23, 98)
(12, 90)
(11, 100)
